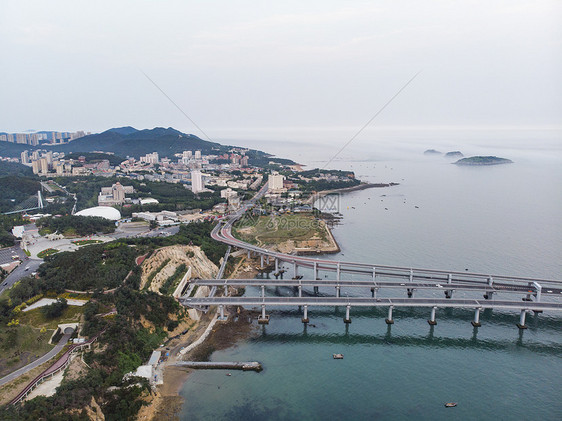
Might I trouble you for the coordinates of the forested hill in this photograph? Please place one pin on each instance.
(128, 141)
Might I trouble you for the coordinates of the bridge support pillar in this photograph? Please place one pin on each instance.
(264, 318)
(263, 291)
(276, 265)
(373, 292)
(432, 320)
(347, 318)
(389, 320)
(338, 291)
(300, 291)
(261, 261)
(315, 270)
(267, 259)
(221, 312)
(521, 324)
(249, 254)
(338, 270)
(449, 293)
(476, 321)
(305, 314)
(316, 291)
(374, 273)
(410, 292)
(295, 269)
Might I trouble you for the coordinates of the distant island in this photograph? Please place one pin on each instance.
(483, 160)
(454, 154)
(432, 152)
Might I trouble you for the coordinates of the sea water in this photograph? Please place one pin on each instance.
(496, 220)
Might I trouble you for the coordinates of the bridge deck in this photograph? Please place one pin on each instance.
(496, 287)
(371, 302)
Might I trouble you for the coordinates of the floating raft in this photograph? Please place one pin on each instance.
(234, 365)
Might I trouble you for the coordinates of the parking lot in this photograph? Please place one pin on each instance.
(7, 253)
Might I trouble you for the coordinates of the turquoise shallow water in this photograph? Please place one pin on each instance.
(501, 220)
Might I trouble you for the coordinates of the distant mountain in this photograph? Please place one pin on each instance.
(123, 130)
(483, 160)
(431, 152)
(128, 141)
(454, 154)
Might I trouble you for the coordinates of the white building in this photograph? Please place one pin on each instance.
(197, 183)
(228, 193)
(197, 154)
(275, 182)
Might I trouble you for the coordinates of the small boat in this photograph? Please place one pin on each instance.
(450, 404)
(228, 374)
(338, 356)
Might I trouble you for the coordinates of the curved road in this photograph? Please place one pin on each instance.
(43, 359)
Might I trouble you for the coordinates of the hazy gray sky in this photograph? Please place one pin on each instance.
(70, 65)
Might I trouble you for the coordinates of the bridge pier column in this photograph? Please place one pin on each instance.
(432, 320)
(373, 292)
(410, 292)
(264, 318)
(489, 295)
(449, 293)
(305, 314)
(300, 291)
(261, 261)
(389, 319)
(374, 273)
(347, 319)
(338, 291)
(476, 321)
(316, 290)
(521, 324)
(276, 265)
(263, 291)
(249, 254)
(338, 270)
(267, 259)
(411, 275)
(221, 312)
(315, 270)
(295, 269)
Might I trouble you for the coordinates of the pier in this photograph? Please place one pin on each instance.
(211, 365)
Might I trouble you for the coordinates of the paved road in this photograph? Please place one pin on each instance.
(25, 269)
(369, 284)
(371, 302)
(37, 362)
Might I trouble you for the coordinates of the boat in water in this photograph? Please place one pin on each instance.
(338, 356)
(450, 404)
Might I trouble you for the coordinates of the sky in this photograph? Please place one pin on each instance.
(238, 65)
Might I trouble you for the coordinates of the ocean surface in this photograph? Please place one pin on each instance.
(499, 220)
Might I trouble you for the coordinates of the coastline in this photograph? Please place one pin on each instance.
(167, 403)
(361, 186)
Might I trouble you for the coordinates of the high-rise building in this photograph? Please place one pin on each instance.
(59, 167)
(49, 157)
(275, 182)
(197, 183)
(35, 155)
(25, 157)
(44, 164)
(197, 154)
(187, 154)
(36, 166)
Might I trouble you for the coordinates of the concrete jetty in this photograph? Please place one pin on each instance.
(233, 365)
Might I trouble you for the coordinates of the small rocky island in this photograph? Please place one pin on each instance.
(483, 160)
(432, 152)
(454, 154)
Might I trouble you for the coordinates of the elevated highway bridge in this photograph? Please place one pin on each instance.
(517, 293)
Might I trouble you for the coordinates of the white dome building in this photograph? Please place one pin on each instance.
(106, 212)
